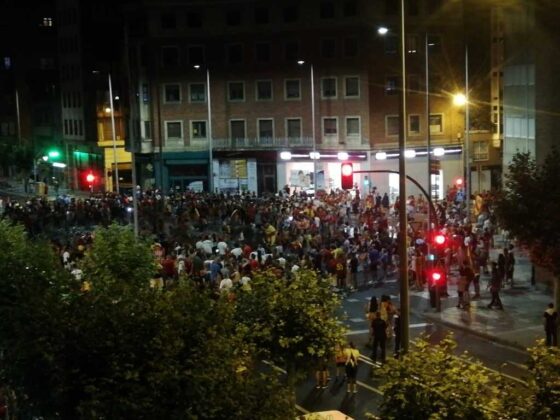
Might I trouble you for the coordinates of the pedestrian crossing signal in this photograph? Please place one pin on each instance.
(347, 176)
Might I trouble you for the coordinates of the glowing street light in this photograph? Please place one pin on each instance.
(382, 30)
(459, 99)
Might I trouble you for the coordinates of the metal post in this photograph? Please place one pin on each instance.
(313, 129)
(428, 136)
(114, 136)
(467, 141)
(209, 133)
(403, 222)
(18, 117)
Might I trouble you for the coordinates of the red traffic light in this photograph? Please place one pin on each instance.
(437, 276)
(347, 176)
(90, 178)
(459, 182)
(439, 239)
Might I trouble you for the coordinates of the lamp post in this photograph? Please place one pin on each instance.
(314, 156)
(113, 131)
(209, 131)
(403, 220)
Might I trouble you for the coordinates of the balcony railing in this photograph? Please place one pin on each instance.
(275, 143)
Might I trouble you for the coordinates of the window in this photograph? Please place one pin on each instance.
(174, 130)
(46, 63)
(350, 47)
(412, 43)
(292, 89)
(235, 54)
(80, 128)
(196, 54)
(414, 125)
(391, 85)
(7, 63)
(413, 9)
(261, 15)
(328, 88)
(237, 129)
(434, 43)
(291, 13)
(436, 123)
(198, 130)
(391, 44)
(327, 10)
(263, 90)
(291, 51)
(66, 130)
(353, 127)
(236, 91)
(194, 20)
(392, 125)
(328, 48)
(168, 21)
(47, 21)
(262, 52)
(197, 92)
(293, 128)
(172, 93)
(413, 84)
(266, 128)
(233, 17)
(145, 93)
(350, 8)
(330, 126)
(480, 151)
(147, 129)
(170, 56)
(391, 7)
(351, 87)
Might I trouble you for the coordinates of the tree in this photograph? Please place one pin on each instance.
(544, 366)
(430, 382)
(291, 321)
(529, 208)
(122, 349)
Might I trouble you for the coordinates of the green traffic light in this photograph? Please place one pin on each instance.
(54, 154)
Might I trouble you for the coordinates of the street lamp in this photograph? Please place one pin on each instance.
(209, 131)
(111, 109)
(459, 99)
(312, 77)
(403, 220)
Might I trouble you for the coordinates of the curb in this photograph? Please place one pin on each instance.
(436, 319)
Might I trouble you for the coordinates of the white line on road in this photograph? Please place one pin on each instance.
(519, 365)
(357, 332)
(368, 387)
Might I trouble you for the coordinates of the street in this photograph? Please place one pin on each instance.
(497, 357)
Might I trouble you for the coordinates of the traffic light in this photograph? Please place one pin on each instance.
(90, 178)
(347, 176)
(439, 239)
(459, 182)
(53, 154)
(436, 277)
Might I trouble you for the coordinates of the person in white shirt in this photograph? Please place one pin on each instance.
(207, 245)
(226, 284)
(222, 247)
(237, 251)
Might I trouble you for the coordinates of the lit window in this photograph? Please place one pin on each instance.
(48, 21)
(436, 123)
(198, 130)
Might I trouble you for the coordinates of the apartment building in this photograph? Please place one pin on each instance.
(254, 61)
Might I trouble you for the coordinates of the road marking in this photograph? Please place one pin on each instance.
(357, 332)
(505, 375)
(301, 409)
(273, 366)
(519, 365)
(420, 325)
(370, 388)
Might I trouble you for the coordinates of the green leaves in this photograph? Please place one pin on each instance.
(430, 382)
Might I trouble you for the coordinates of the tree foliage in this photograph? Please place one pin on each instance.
(430, 382)
(122, 349)
(292, 321)
(544, 366)
(529, 207)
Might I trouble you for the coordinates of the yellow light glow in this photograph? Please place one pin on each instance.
(459, 99)
(108, 110)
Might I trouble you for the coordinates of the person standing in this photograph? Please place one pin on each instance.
(510, 265)
(495, 285)
(352, 355)
(379, 330)
(551, 325)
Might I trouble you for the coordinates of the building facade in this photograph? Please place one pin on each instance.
(255, 60)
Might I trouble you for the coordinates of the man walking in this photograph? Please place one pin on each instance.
(550, 325)
(379, 330)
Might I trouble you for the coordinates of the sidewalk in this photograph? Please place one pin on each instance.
(518, 325)
(15, 189)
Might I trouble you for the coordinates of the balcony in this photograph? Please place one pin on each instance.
(277, 143)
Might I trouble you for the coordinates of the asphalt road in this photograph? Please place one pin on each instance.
(509, 361)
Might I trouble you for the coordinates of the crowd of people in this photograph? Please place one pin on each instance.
(221, 240)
